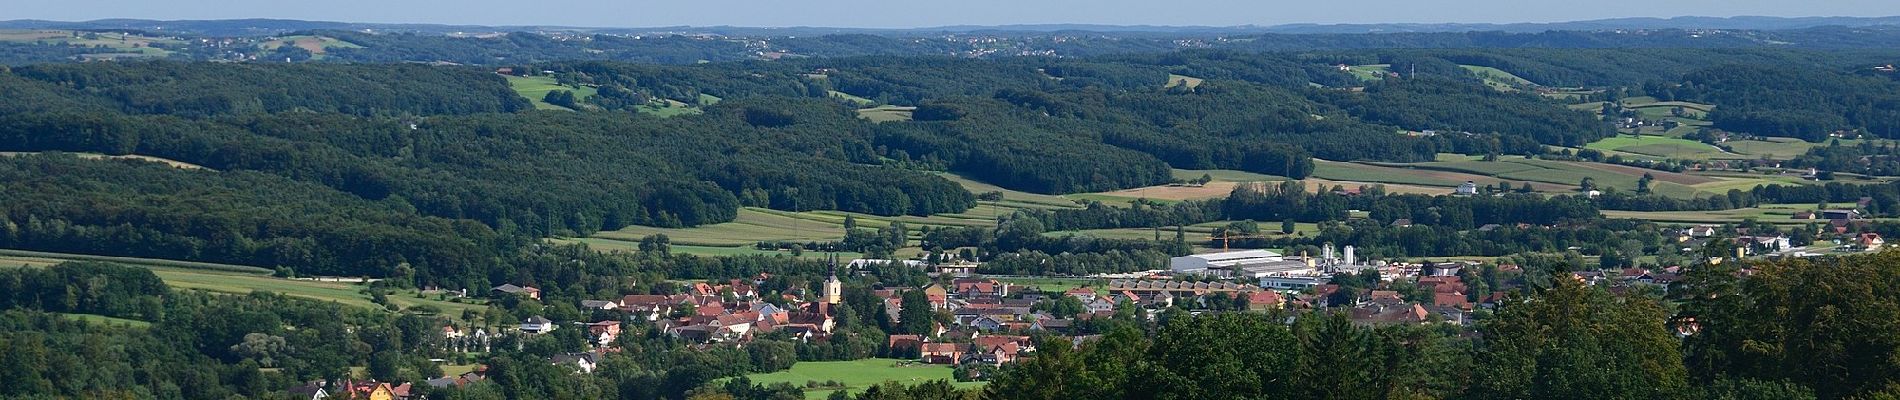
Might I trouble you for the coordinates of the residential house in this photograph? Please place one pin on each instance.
(1379, 314)
(1100, 304)
(511, 289)
(975, 288)
(904, 344)
(1265, 300)
(1702, 231)
(603, 332)
(1453, 299)
(599, 305)
(583, 362)
(1469, 188)
(1870, 241)
(309, 391)
(537, 325)
(942, 353)
(1083, 293)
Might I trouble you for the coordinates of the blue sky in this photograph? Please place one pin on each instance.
(906, 13)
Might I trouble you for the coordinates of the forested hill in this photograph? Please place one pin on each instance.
(443, 168)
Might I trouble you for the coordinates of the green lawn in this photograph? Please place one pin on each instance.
(535, 88)
(857, 375)
(105, 320)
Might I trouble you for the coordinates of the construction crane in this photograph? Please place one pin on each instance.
(1227, 238)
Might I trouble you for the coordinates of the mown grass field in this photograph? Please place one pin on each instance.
(886, 113)
(236, 279)
(1662, 146)
(857, 375)
(536, 88)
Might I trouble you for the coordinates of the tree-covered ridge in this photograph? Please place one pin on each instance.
(214, 89)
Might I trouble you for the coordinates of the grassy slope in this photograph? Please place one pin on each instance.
(105, 320)
(856, 375)
(234, 279)
(1499, 79)
(534, 88)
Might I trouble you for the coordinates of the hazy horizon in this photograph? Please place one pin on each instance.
(876, 14)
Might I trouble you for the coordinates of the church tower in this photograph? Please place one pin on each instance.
(834, 290)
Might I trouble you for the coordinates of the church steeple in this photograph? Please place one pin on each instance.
(834, 290)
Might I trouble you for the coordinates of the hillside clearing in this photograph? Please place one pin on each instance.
(1184, 80)
(536, 88)
(886, 113)
(97, 156)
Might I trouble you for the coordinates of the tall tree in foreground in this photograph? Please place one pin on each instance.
(1578, 342)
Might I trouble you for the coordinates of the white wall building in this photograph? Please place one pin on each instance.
(1222, 264)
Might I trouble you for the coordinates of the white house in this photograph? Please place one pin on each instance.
(1468, 189)
(537, 325)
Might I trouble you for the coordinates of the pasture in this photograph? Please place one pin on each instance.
(1499, 79)
(535, 88)
(1369, 72)
(1779, 148)
(857, 375)
(316, 45)
(886, 113)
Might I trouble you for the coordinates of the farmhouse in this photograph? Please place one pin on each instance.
(1841, 214)
(1468, 189)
